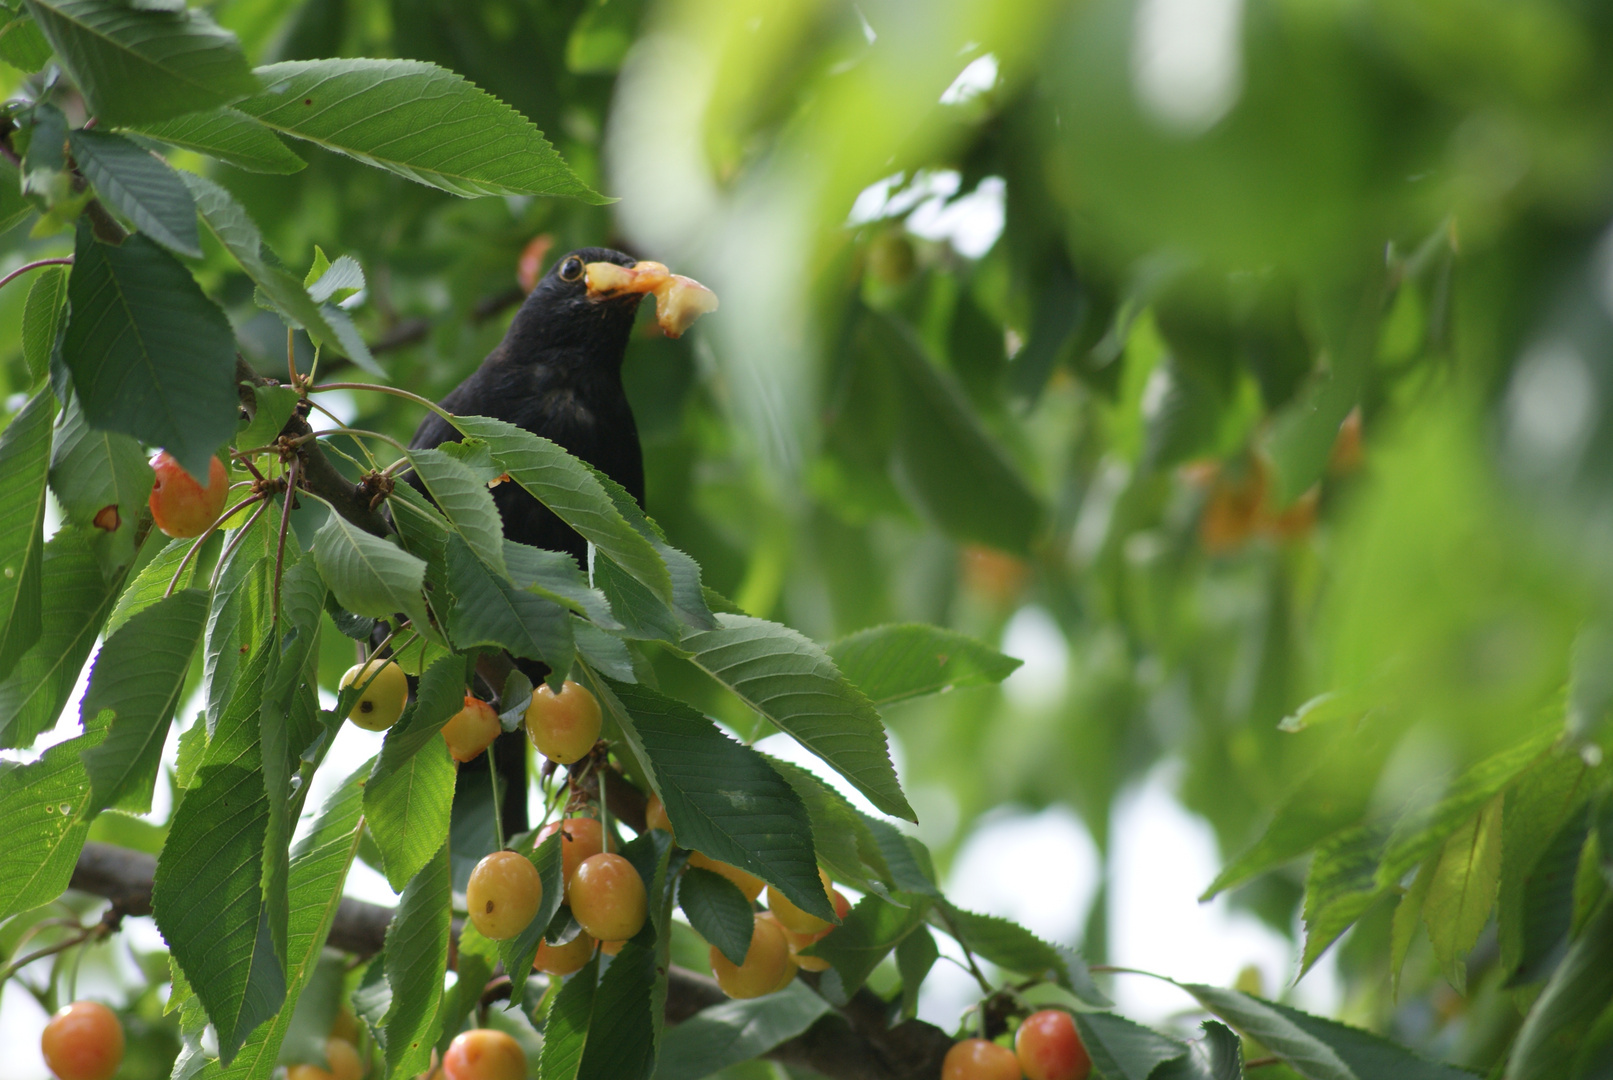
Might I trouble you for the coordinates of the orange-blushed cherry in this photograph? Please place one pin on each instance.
(793, 917)
(655, 815)
(580, 838)
(978, 1059)
(180, 506)
(748, 883)
(83, 1041)
(383, 698)
(344, 1061)
(1049, 1047)
(503, 895)
(798, 942)
(563, 726)
(611, 948)
(484, 1054)
(767, 963)
(471, 730)
(563, 959)
(608, 898)
(345, 1026)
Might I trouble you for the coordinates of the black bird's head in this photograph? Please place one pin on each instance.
(582, 311)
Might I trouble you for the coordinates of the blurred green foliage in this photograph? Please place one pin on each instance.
(1217, 247)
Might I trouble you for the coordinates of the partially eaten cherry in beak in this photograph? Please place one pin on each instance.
(679, 300)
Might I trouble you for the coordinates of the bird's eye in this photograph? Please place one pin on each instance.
(571, 269)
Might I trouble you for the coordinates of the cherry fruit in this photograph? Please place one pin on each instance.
(655, 815)
(381, 702)
(484, 1054)
(503, 895)
(978, 1059)
(471, 730)
(83, 1041)
(563, 959)
(748, 883)
(767, 963)
(580, 837)
(792, 917)
(1049, 1047)
(563, 726)
(608, 898)
(180, 506)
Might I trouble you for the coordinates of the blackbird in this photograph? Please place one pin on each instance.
(558, 373)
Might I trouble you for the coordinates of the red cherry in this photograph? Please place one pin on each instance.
(1049, 1047)
(83, 1041)
(180, 505)
(977, 1059)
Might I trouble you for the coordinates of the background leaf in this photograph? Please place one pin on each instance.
(140, 186)
(893, 663)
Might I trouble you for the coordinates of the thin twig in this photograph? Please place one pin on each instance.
(65, 260)
(393, 390)
(225, 516)
(498, 803)
(235, 542)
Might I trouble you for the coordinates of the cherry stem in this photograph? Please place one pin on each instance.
(357, 433)
(1260, 1063)
(65, 260)
(285, 523)
(394, 391)
(225, 516)
(498, 805)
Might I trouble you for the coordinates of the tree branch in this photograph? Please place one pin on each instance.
(319, 476)
(854, 1043)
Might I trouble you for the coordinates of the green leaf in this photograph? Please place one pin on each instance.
(208, 895)
(1217, 1056)
(416, 960)
(602, 35)
(688, 594)
(1011, 946)
(1122, 1050)
(32, 696)
(229, 222)
(737, 1031)
(42, 815)
(961, 476)
(466, 503)
(1462, 891)
(1535, 901)
(336, 281)
(140, 186)
(41, 315)
(274, 408)
(718, 911)
(894, 663)
(138, 677)
(621, 1044)
(22, 45)
(870, 931)
(229, 135)
(1408, 916)
(239, 616)
(556, 576)
(319, 865)
(915, 956)
(410, 794)
(841, 838)
(92, 470)
(151, 356)
(573, 491)
(478, 958)
(1341, 886)
(793, 684)
(24, 466)
(1316, 1048)
(368, 575)
(565, 1035)
(140, 64)
(1557, 1023)
(412, 118)
(722, 797)
(490, 610)
(518, 952)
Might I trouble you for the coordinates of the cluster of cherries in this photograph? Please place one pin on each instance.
(1046, 1047)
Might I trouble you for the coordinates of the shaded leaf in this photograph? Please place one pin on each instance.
(565, 1035)
(142, 64)
(416, 959)
(737, 1031)
(229, 135)
(91, 470)
(718, 911)
(140, 186)
(24, 466)
(490, 610)
(151, 356)
(410, 794)
(412, 118)
(41, 314)
(867, 935)
(1123, 1050)
(368, 575)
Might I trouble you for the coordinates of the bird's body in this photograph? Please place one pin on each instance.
(557, 373)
